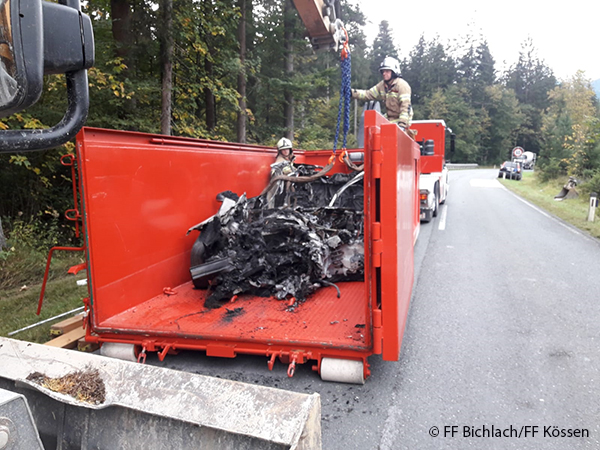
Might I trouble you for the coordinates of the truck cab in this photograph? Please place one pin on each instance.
(433, 179)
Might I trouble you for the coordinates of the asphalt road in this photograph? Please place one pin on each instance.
(503, 332)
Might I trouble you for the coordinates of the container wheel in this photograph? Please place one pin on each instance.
(342, 370)
(126, 352)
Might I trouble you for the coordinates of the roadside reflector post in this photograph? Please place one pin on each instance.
(593, 206)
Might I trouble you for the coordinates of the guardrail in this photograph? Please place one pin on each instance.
(461, 166)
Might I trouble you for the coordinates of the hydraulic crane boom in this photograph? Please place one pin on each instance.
(325, 29)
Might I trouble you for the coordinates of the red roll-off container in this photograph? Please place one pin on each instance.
(140, 193)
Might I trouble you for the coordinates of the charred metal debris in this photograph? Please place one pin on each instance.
(285, 243)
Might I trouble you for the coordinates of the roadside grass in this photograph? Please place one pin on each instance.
(573, 211)
(21, 276)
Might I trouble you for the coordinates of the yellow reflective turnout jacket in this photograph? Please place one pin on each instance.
(395, 95)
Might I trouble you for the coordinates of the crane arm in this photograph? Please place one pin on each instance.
(325, 30)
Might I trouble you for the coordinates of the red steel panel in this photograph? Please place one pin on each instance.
(398, 218)
(373, 122)
(140, 199)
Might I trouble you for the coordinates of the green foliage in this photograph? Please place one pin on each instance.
(429, 68)
(551, 168)
(38, 190)
(571, 126)
(505, 122)
(591, 182)
(21, 275)
(382, 46)
(23, 261)
(531, 80)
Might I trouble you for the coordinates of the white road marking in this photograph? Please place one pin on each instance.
(442, 224)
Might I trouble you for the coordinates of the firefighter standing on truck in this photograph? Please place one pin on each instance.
(393, 91)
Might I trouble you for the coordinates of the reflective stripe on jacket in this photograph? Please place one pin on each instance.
(395, 95)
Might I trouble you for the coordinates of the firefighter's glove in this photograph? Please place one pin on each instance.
(288, 169)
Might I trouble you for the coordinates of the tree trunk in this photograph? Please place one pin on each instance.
(2, 238)
(121, 12)
(167, 67)
(288, 42)
(121, 29)
(209, 98)
(241, 82)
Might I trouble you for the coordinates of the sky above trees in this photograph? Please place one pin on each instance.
(562, 35)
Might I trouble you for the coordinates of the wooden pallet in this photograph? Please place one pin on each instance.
(67, 325)
(84, 346)
(68, 339)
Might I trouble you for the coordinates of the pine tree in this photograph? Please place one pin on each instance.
(383, 46)
(531, 80)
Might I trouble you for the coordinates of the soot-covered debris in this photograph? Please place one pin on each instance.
(231, 313)
(287, 242)
(83, 385)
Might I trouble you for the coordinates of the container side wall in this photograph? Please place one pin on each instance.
(398, 181)
(141, 198)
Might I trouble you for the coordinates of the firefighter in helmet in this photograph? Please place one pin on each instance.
(285, 158)
(393, 91)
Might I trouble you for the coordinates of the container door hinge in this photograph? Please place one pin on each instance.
(377, 332)
(377, 156)
(377, 244)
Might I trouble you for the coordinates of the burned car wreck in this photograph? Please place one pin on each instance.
(304, 231)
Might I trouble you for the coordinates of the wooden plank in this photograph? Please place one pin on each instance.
(67, 340)
(84, 346)
(67, 325)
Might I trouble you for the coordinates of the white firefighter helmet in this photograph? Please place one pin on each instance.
(284, 143)
(392, 64)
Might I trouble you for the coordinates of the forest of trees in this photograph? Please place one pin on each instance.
(243, 71)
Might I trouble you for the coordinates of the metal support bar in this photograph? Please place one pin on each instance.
(47, 271)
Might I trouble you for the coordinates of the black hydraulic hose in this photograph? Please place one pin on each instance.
(329, 283)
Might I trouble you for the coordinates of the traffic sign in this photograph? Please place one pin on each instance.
(518, 152)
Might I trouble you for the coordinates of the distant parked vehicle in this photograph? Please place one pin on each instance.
(527, 160)
(511, 169)
(530, 159)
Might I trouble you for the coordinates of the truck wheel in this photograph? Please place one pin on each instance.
(436, 201)
(445, 194)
